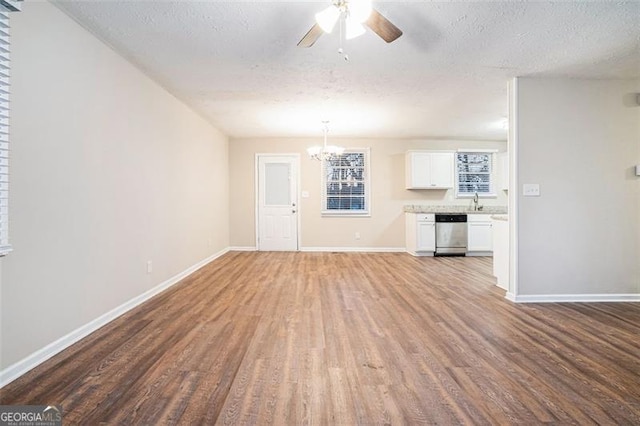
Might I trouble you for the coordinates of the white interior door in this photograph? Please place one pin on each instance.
(277, 203)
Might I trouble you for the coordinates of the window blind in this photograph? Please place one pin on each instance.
(10, 5)
(4, 127)
(475, 173)
(346, 183)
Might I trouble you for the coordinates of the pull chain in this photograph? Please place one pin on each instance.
(342, 23)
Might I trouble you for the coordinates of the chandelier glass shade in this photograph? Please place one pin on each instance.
(359, 10)
(353, 28)
(328, 18)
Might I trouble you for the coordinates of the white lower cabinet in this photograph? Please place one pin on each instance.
(420, 233)
(480, 239)
(426, 236)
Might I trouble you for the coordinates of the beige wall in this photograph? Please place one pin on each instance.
(107, 171)
(383, 230)
(579, 139)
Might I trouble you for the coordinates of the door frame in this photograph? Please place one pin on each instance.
(256, 186)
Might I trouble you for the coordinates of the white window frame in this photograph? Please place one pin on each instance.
(366, 180)
(492, 173)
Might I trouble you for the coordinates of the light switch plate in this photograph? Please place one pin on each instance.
(305, 194)
(531, 190)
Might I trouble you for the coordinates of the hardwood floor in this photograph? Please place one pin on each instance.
(345, 339)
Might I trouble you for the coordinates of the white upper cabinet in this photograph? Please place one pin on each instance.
(429, 170)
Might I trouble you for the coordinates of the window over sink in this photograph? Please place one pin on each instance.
(474, 174)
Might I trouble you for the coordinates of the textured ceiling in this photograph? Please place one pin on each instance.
(238, 65)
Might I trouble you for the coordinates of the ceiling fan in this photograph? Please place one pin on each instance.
(354, 13)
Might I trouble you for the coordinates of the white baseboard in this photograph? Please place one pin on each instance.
(421, 253)
(16, 370)
(566, 298)
(243, 248)
(336, 249)
(479, 254)
(355, 249)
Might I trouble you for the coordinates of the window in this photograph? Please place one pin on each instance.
(346, 183)
(474, 174)
(4, 128)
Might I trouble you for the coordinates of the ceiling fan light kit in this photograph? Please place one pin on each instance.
(355, 13)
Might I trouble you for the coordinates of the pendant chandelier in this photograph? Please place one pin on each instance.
(324, 152)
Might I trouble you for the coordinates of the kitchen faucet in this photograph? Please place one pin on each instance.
(475, 202)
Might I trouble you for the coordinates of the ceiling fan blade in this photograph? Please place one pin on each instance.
(383, 27)
(311, 36)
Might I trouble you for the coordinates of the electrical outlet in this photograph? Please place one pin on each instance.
(149, 266)
(357, 235)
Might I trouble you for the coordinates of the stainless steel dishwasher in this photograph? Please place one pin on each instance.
(451, 234)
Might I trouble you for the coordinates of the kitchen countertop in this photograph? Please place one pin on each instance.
(416, 208)
(501, 217)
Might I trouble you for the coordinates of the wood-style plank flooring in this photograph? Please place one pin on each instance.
(346, 339)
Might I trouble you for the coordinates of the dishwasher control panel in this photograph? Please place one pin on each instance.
(451, 217)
